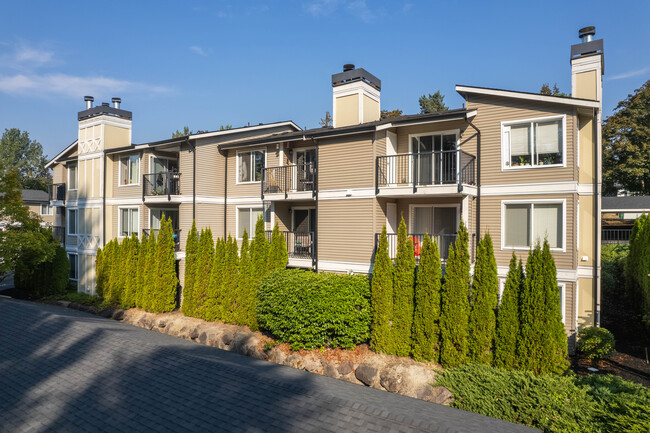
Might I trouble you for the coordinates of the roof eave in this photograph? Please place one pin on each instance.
(575, 102)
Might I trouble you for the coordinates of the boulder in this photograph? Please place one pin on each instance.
(294, 360)
(330, 370)
(439, 395)
(312, 365)
(368, 375)
(107, 312)
(406, 379)
(194, 333)
(118, 314)
(276, 356)
(346, 368)
(227, 338)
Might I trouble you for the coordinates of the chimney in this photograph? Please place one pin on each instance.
(587, 66)
(356, 95)
(587, 33)
(89, 102)
(116, 102)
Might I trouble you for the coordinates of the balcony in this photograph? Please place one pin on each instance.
(426, 173)
(444, 241)
(56, 192)
(177, 236)
(289, 182)
(300, 246)
(161, 185)
(58, 233)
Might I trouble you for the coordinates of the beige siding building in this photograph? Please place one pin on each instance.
(523, 167)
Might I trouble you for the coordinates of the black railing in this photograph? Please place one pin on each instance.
(300, 245)
(164, 183)
(618, 235)
(177, 235)
(289, 178)
(58, 233)
(56, 192)
(446, 167)
(444, 241)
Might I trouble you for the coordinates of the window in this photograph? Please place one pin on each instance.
(72, 222)
(246, 220)
(74, 266)
(249, 166)
(156, 217)
(526, 223)
(130, 170)
(128, 221)
(72, 176)
(534, 143)
(434, 158)
(46, 209)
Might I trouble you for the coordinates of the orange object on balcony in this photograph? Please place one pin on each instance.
(416, 245)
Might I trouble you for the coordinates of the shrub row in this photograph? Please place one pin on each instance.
(637, 268)
(46, 278)
(309, 310)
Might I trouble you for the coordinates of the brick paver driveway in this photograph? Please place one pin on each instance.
(64, 370)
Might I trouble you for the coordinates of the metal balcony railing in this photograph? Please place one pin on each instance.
(289, 178)
(618, 235)
(164, 183)
(56, 192)
(445, 167)
(177, 236)
(443, 241)
(300, 245)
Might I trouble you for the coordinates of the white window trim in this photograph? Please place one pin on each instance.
(119, 171)
(76, 259)
(505, 143)
(76, 221)
(76, 164)
(432, 205)
(119, 221)
(237, 182)
(427, 134)
(177, 210)
(538, 201)
(50, 208)
(251, 230)
(563, 301)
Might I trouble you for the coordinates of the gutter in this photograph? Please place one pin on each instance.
(225, 190)
(478, 181)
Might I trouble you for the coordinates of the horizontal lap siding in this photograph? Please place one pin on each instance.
(184, 223)
(186, 168)
(491, 112)
(346, 163)
(491, 222)
(210, 165)
(248, 189)
(209, 216)
(126, 191)
(345, 230)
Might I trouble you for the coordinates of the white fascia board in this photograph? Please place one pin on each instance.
(422, 122)
(247, 128)
(64, 151)
(529, 97)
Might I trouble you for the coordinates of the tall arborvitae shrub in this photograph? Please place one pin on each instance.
(143, 257)
(454, 310)
(188, 304)
(260, 251)
(165, 280)
(427, 303)
(485, 289)
(278, 253)
(149, 273)
(507, 329)
(555, 360)
(637, 268)
(403, 279)
(230, 279)
(530, 347)
(114, 274)
(131, 250)
(100, 274)
(381, 301)
(245, 315)
(214, 297)
(204, 262)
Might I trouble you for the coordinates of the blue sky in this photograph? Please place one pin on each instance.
(207, 63)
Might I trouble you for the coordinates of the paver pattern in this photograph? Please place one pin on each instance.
(67, 371)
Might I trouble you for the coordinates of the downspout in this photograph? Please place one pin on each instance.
(103, 242)
(478, 181)
(315, 258)
(225, 191)
(597, 204)
(193, 144)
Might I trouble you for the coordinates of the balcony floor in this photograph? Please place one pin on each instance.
(448, 190)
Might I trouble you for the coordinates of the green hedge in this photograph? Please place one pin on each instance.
(309, 310)
(46, 278)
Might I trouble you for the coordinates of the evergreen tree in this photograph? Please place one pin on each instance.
(244, 316)
(113, 286)
(165, 279)
(204, 261)
(230, 279)
(143, 257)
(278, 253)
(381, 301)
(454, 310)
(191, 248)
(482, 319)
(214, 298)
(530, 347)
(260, 251)
(403, 279)
(130, 277)
(151, 269)
(100, 274)
(555, 334)
(507, 329)
(427, 303)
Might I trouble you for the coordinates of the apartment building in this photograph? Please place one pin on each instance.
(520, 166)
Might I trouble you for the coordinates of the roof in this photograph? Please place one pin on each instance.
(362, 128)
(33, 195)
(639, 203)
(63, 152)
(564, 100)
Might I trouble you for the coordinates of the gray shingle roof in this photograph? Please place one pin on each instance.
(636, 202)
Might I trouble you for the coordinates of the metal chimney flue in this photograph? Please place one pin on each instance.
(89, 102)
(116, 102)
(105, 104)
(348, 67)
(587, 34)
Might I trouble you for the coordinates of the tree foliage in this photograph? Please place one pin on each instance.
(427, 303)
(326, 121)
(432, 102)
(184, 133)
(385, 114)
(555, 91)
(245, 292)
(403, 279)
(382, 298)
(637, 268)
(278, 253)
(204, 263)
(188, 305)
(165, 279)
(626, 144)
(18, 152)
(507, 326)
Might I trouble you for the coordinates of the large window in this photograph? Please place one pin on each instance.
(434, 158)
(129, 221)
(533, 143)
(46, 209)
(526, 223)
(130, 170)
(74, 266)
(249, 166)
(72, 222)
(246, 220)
(72, 176)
